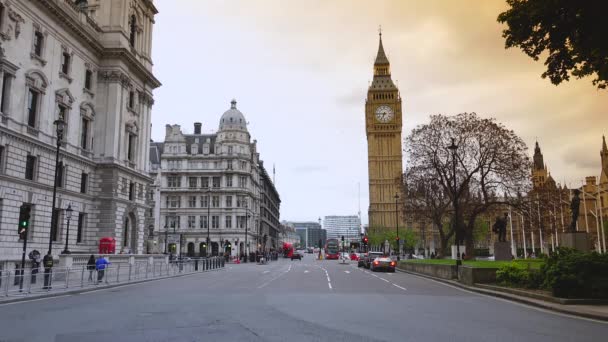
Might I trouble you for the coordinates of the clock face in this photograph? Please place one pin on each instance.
(384, 114)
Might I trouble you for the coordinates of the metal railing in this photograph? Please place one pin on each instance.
(39, 280)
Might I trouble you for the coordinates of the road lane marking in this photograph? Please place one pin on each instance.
(35, 300)
(346, 271)
(275, 278)
(403, 288)
(305, 271)
(330, 286)
(384, 280)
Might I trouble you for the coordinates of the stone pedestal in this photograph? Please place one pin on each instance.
(576, 240)
(502, 251)
(462, 250)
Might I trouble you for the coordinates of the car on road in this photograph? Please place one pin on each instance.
(296, 255)
(354, 256)
(383, 263)
(344, 256)
(369, 258)
(309, 250)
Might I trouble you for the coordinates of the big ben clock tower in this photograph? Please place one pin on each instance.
(383, 121)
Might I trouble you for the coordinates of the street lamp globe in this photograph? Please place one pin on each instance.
(68, 212)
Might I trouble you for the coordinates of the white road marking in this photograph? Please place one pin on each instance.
(265, 272)
(38, 299)
(384, 280)
(330, 286)
(346, 271)
(403, 288)
(305, 271)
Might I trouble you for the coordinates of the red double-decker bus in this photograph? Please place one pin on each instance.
(332, 249)
(287, 250)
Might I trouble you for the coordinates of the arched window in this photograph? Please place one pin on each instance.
(125, 237)
(133, 30)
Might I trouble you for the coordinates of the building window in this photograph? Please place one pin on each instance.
(6, 91)
(88, 79)
(60, 175)
(32, 107)
(172, 221)
(131, 99)
(131, 191)
(132, 30)
(230, 149)
(215, 201)
(84, 133)
(131, 147)
(229, 181)
(203, 222)
(65, 65)
(243, 165)
(30, 167)
(242, 181)
(192, 201)
(241, 221)
(174, 181)
(173, 202)
(38, 43)
(84, 183)
(191, 221)
(215, 221)
(193, 182)
(229, 165)
(204, 182)
(228, 201)
(204, 201)
(228, 221)
(81, 225)
(216, 182)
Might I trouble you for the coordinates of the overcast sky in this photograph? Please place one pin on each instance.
(299, 70)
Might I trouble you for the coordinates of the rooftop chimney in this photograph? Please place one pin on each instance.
(197, 128)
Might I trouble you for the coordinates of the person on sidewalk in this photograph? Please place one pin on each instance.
(91, 267)
(47, 262)
(100, 264)
(35, 258)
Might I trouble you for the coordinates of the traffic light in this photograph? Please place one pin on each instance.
(24, 221)
(342, 238)
(365, 240)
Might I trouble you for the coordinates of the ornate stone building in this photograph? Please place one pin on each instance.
(88, 63)
(212, 186)
(383, 125)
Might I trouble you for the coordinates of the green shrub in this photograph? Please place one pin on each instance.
(573, 274)
(518, 276)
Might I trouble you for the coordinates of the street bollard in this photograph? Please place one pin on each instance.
(130, 270)
(82, 277)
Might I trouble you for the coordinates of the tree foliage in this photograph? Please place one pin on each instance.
(573, 33)
(491, 166)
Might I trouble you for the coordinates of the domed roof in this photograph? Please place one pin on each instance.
(233, 119)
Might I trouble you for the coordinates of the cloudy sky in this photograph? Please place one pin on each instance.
(299, 70)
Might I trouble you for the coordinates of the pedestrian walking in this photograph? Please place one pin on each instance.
(100, 264)
(35, 258)
(47, 262)
(91, 267)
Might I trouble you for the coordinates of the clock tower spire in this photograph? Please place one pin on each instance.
(383, 125)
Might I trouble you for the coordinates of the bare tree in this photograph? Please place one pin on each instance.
(491, 164)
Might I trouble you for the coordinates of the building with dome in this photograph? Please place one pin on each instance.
(211, 193)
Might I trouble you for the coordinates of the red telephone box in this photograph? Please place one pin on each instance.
(107, 245)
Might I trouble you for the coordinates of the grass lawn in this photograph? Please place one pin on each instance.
(533, 263)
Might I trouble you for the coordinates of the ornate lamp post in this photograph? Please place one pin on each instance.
(453, 147)
(166, 238)
(397, 224)
(68, 216)
(60, 125)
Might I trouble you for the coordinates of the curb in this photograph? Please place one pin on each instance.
(515, 298)
(96, 288)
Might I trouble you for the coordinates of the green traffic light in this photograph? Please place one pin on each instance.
(23, 223)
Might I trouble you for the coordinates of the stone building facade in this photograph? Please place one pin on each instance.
(88, 63)
(211, 193)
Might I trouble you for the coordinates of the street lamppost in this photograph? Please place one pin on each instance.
(246, 232)
(208, 221)
(60, 129)
(397, 223)
(453, 147)
(68, 216)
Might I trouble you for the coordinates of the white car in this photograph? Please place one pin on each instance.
(344, 256)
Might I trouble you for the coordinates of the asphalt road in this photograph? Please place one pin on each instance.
(305, 300)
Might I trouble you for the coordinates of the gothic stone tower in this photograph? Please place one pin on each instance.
(383, 124)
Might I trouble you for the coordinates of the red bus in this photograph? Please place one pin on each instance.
(287, 250)
(332, 249)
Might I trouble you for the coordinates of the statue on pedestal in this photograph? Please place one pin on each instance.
(574, 208)
(500, 228)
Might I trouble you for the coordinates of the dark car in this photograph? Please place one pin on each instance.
(369, 258)
(383, 263)
(296, 255)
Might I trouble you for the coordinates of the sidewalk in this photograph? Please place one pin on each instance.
(598, 312)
